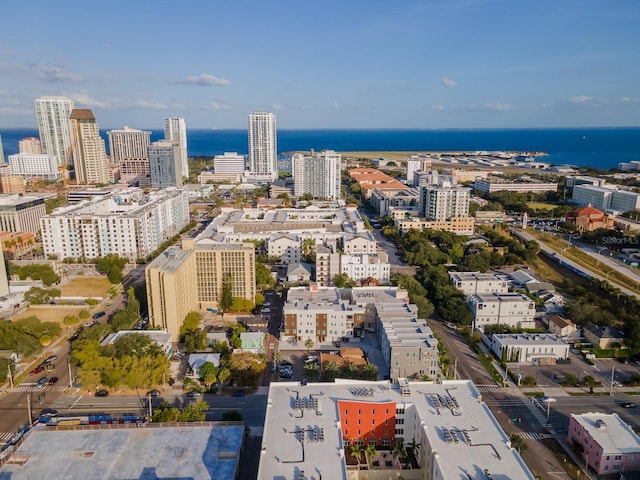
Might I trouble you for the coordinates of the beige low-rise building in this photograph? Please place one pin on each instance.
(561, 326)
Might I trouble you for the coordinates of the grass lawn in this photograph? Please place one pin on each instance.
(82, 286)
(48, 313)
(541, 205)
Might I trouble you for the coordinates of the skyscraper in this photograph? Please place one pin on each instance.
(444, 201)
(53, 115)
(263, 151)
(165, 168)
(128, 143)
(2, 159)
(318, 174)
(89, 154)
(175, 130)
(30, 145)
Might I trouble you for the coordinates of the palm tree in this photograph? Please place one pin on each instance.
(349, 370)
(414, 447)
(370, 452)
(370, 372)
(356, 451)
(398, 449)
(308, 343)
(329, 371)
(311, 371)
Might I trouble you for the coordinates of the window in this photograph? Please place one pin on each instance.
(399, 431)
(399, 421)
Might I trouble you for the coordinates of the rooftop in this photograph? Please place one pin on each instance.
(611, 433)
(303, 431)
(532, 338)
(207, 450)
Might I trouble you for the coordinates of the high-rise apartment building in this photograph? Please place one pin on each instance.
(181, 280)
(30, 145)
(32, 166)
(165, 166)
(318, 174)
(443, 202)
(128, 143)
(88, 152)
(175, 130)
(53, 115)
(2, 160)
(263, 149)
(128, 222)
(229, 162)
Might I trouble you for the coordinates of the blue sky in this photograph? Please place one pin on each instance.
(329, 64)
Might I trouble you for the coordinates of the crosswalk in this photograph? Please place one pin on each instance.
(35, 388)
(529, 435)
(490, 389)
(5, 436)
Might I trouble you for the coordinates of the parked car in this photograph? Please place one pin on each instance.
(311, 359)
(238, 393)
(53, 380)
(630, 405)
(49, 413)
(41, 382)
(90, 324)
(194, 394)
(153, 393)
(102, 393)
(37, 370)
(50, 358)
(99, 315)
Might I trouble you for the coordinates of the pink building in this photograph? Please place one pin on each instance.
(606, 443)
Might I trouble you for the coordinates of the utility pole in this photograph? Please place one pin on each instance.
(10, 375)
(613, 373)
(150, 408)
(455, 369)
(29, 408)
(70, 379)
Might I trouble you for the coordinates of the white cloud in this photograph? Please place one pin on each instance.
(86, 100)
(205, 80)
(497, 107)
(56, 74)
(582, 99)
(438, 108)
(217, 106)
(336, 106)
(277, 106)
(447, 82)
(150, 105)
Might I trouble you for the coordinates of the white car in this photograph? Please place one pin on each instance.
(311, 359)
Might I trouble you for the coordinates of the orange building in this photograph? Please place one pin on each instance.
(370, 178)
(588, 219)
(17, 244)
(365, 423)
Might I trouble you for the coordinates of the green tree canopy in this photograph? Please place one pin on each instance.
(226, 296)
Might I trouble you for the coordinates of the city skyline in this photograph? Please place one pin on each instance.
(419, 64)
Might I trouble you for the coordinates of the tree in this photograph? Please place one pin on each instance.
(226, 296)
(370, 372)
(223, 375)
(70, 320)
(84, 314)
(311, 371)
(329, 371)
(308, 343)
(342, 280)
(232, 416)
(40, 296)
(191, 322)
(133, 305)
(112, 266)
(370, 452)
(263, 276)
(518, 443)
(356, 451)
(45, 340)
(208, 373)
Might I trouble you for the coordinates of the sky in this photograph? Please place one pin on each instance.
(330, 64)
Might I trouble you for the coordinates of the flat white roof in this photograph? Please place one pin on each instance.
(295, 412)
(611, 433)
(197, 451)
(529, 338)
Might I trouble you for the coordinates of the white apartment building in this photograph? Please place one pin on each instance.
(263, 150)
(175, 130)
(537, 348)
(128, 223)
(320, 314)
(413, 166)
(128, 144)
(89, 154)
(362, 242)
(512, 309)
(53, 115)
(286, 246)
(623, 201)
(21, 213)
(444, 201)
(165, 165)
(30, 145)
(521, 185)
(229, 163)
(360, 266)
(317, 174)
(32, 165)
(605, 198)
(476, 283)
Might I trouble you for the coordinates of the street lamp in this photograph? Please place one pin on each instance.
(598, 257)
(548, 402)
(571, 236)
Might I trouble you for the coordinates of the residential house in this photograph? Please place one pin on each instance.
(604, 337)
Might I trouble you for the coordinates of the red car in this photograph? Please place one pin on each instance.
(37, 370)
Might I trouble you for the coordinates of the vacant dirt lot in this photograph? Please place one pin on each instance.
(82, 286)
(50, 313)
